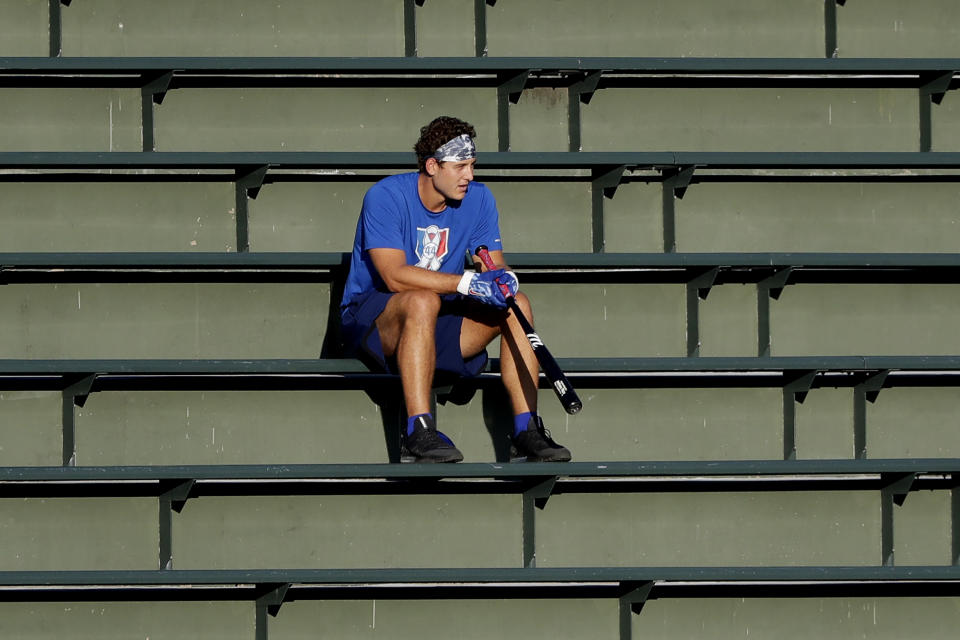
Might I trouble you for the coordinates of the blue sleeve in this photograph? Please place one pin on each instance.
(487, 231)
(381, 221)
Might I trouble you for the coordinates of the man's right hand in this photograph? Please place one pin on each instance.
(483, 287)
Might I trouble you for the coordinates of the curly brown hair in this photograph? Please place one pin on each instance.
(434, 135)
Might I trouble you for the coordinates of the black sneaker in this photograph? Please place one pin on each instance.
(426, 444)
(536, 445)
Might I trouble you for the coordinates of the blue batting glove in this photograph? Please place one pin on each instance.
(483, 287)
(509, 278)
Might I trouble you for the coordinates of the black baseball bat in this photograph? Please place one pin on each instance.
(558, 380)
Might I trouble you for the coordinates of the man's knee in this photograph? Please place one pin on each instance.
(419, 305)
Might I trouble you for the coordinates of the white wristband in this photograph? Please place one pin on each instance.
(464, 284)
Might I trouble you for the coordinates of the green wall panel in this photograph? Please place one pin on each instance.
(141, 216)
(163, 320)
(670, 424)
(24, 30)
(866, 320)
(656, 28)
(61, 534)
(316, 216)
(312, 119)
(945, 119)
(606, 320)
(752, 119)
(633, 218)
(824, 425)
(435, 619)
(538, 122)
(543, 216)
(819, 216)
(707, 529)
(348, 532)
(70, 120)
(892, 29)
(127, 620)
(31, 433)
(922, 529)
(770, 618)
(229, 28)
(914, 423)
(728, 321)
(445, 28)
(229, 427)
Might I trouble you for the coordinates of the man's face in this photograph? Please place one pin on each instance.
(450, 179)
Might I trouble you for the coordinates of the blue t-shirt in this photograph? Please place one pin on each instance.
(393, 217)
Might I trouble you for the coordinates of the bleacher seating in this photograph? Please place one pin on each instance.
(738, 225)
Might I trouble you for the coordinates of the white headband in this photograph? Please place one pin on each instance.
(457, 150)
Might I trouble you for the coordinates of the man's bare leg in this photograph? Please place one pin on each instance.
(519, 369)
(407, 326)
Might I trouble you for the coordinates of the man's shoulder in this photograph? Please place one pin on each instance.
(393, 184)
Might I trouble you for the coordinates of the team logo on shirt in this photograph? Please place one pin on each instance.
(432, 244)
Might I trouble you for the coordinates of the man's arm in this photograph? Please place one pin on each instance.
(399, 276)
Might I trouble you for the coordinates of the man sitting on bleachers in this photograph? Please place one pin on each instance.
(409, 305)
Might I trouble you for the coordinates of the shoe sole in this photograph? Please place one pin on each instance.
(412, 459)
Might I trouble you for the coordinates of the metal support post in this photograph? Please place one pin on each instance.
(675, 183)
(630, 604)
(768, 288)
(249, 181)
(868, 390)
(508, 92)
(795, 389)
(75, 394)
(410, 27)
(152, 93)
(173, 497)
(894, 492)
(578, 93)
(480, 26)
(697, 289)
(604, 183)
(56, 26)
(535, 496)
(932, 89)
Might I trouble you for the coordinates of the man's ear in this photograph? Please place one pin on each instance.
(431, 166)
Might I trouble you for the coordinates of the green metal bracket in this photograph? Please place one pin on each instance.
(797, 385)
(678, 179)
(74, 394)
(869, 389)
(480, 26)
(273, 596)
(631, 603)
(152, 93)
(936, 85)
(249, 181)
(895, 491)
(508, 92)
(536, 495)
(173, 497)
(580, 92)
(697, 289)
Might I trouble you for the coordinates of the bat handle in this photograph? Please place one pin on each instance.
(484, 254)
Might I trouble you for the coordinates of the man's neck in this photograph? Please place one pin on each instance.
(432, 199)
